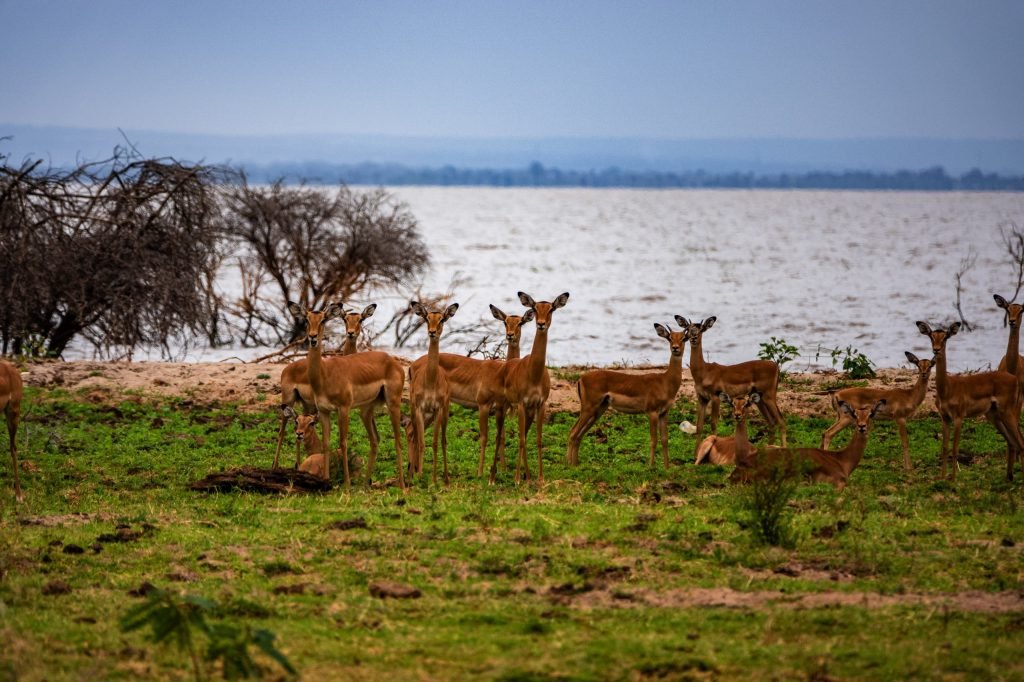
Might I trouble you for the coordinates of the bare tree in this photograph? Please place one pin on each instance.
(313, 246)
(113, 251)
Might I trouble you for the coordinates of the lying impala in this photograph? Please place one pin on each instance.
(717, 449)
(900, 404)
(305, 436)
(815, 464)
(650, 394)
(711, 379)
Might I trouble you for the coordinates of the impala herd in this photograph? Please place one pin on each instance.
(369, 380)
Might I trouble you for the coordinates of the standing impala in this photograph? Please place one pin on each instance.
(527, 384)
(10, 403)
(650, 394)
(429, 393)
(1011, 361)
(295, 386)
(958, 397)
(710, 379)
(344, 382)
(479, 384)
(900, 404)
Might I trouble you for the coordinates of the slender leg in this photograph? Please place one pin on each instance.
(499, 434)
(541, 409)
(421, 439)
(954, 465)
(716, 405)
(834, 430)
(13, 415)
(395, 411)
(325, 426)
(945, 443)
(343, 445)
(484, 414)
(652, 417)
(438, 420)
(525, 419)
(777, 418)
(901, 424)
(280, 439)
(444, 441)
(366, 415)
(588, 417)
(702, 406)
(663, 426)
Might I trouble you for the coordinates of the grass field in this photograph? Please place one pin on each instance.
(610, 571)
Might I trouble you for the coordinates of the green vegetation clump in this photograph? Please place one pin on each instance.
(611, 570)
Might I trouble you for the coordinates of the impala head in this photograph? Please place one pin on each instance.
(543, 309)
(1013, 310)
(939, 337)
(513, 323)
(676, 339)
(863, 415)
(696, 328)
(924, 367)
(435, 319)
(315, 319)
(304, 423)
(354, 320)
(741, 402)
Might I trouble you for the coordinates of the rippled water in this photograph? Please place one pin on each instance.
(812, 267)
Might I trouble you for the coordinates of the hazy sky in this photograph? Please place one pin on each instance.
(759, 68)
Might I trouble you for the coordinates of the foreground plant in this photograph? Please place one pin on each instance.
(177, 618)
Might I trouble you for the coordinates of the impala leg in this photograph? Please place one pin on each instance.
(325, 426)
(395, 411)
(663, 426)
(499, 434)
(777, 419)
(525, 420)
(901, 424)
(343, 446)
(652, 418)
(444, 442)
(421, 440)
(954, 465)
(945, 444)
(716, 405)
(13, 413)
(588, 417)
(834, 430)
(280, 439)
(438, 420)
(484, 414)
(541, 409)
(366, 415)
(702, 406)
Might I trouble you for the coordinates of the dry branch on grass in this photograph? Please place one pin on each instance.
(254, 479)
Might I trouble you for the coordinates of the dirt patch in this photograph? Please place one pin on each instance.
(255, 386)
(723, 597)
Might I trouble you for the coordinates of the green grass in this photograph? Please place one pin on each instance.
(593, 576)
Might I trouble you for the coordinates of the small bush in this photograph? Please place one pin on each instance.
(855, 365)
(778, 351)
(767, 502)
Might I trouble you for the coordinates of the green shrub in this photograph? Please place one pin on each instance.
(778, 351)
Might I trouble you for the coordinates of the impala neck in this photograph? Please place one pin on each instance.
(941, 378)
(350, 346)
(1013, 350)
(538, 355)
(316, 368)
(312, 441)
(433, 360)
(674, 373)
(696, 361)
(920, 388)
(513, 351)
(850, 456)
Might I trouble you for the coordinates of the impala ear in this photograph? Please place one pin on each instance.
(708, 323)
(288, 412)
(877, 406)
(845, 407)
(662, 331)
(526, 300)
(369, 310)
(560, 301)
(1000, 301)
(333, 310)
(528, 316)
(953, 329)
(417, 308)
(296, 309)
(497, 313)
(725, 398)
(755, 396)
(911, 357)
(682, 321)
(924, 328)
(450, 311)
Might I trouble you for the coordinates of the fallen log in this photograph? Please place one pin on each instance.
(263, 481)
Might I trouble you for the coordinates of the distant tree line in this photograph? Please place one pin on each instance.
(538, 175)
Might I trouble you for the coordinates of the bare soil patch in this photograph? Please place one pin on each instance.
(255, 386)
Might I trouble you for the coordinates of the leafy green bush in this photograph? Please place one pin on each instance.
(778, 351)
(855, 364)
(767, 502)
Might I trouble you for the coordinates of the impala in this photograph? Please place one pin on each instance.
(429, 392)
(10, 402)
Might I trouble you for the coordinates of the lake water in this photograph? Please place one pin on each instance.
(811, 267)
